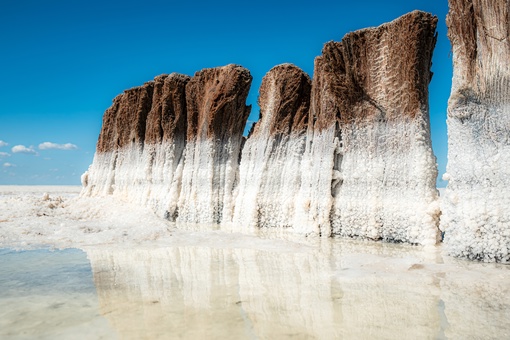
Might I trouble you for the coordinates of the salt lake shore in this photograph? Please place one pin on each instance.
(138, 275)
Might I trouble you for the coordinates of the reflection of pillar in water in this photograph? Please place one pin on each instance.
(171, 292)
(378, 306)
(334, 291)
(388, 291)
(289, 294)
(203, 292)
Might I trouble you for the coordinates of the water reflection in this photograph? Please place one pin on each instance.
(323, 289)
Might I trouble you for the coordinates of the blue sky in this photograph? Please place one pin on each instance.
(62, 63)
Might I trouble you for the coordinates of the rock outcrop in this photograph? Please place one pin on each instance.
(121, 138)
(270, 173)
(475, 217)
(173, 144)
(369, 170)
(217, 114)
(141, 145)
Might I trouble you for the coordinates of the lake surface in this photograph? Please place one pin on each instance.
(264, 289)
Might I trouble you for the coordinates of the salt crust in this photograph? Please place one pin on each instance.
(209, 176)
(388, 190)
(475, 209)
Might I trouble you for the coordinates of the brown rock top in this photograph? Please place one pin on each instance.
(124, 121)
(328, 83)
(377, 73)
(150, 113)
(216, 100)
(284, 101)
(167, 119)
(479, 31)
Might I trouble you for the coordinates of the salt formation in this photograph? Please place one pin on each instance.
(349, 154)
(141, 145)
(217, 115)
(270, 169)
(173, 144)
(475, 217)
(369, 170)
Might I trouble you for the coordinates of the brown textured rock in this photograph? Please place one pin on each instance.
(152, 113)
(475, 216)
(328, 81)
(166, 121)
(284, 101)
(387, 77)
(376, 73)
(124, 122)
(479, 33)
(271, 159)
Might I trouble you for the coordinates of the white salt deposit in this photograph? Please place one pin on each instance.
(388, 190)
(476, 217)
(150, 176)
(28, 218)
(314, 200)
(270, 178)
(209, 176)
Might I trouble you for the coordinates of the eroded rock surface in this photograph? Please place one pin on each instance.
(475, 217)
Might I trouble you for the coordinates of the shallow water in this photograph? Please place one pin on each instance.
(261, 289)
(49, 294)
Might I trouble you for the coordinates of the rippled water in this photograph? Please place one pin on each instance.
(268, 289)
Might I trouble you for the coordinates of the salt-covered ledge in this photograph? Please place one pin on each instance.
(476, 215)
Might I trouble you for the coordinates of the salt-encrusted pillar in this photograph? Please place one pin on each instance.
(120, 143)
(217, 114)
(270, 174)
(369, 170)
(476, 214)
(388, 170)
(165, 140)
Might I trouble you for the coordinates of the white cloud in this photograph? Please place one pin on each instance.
(50, 145)
(23, 149)
(2, 143)
(4, 154)
(9, 165)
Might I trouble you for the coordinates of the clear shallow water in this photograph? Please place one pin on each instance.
(264, 289)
